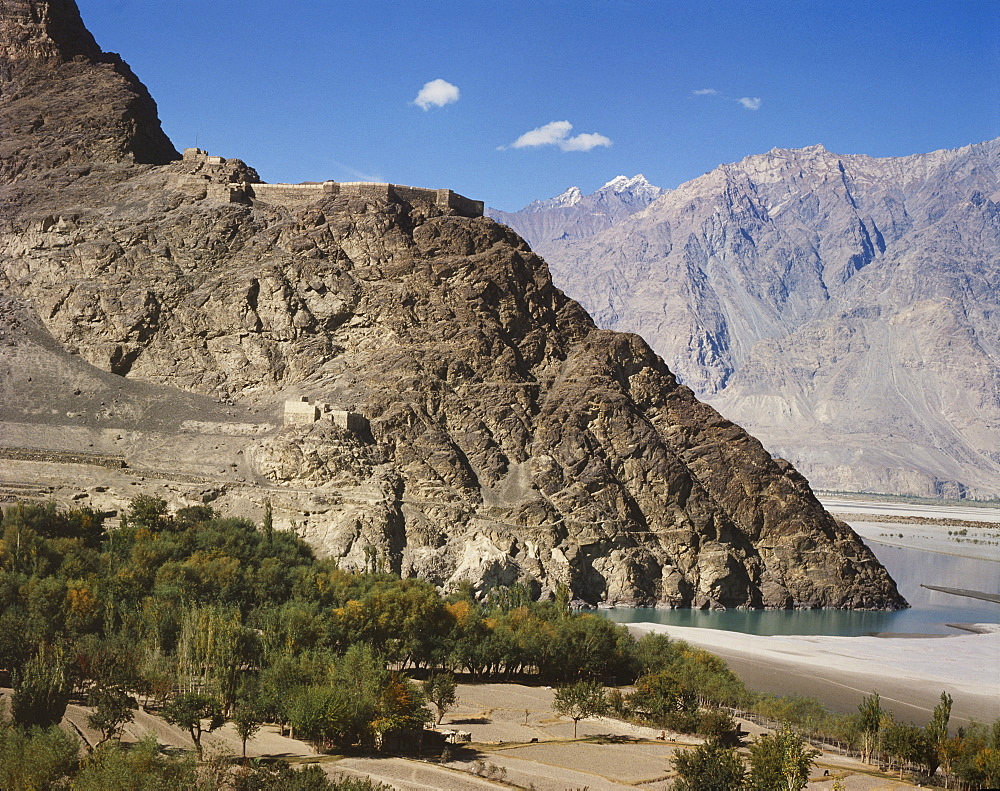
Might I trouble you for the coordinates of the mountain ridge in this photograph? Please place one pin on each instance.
(573, 214)
(158, 313)
(797, 254)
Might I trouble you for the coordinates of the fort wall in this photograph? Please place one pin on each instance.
(291, 196)
(297, 196)
(63, 457)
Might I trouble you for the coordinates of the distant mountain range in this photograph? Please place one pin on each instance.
(574, 215)
(844, 309)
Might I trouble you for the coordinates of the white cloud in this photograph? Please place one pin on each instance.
(556, 133)
(584, 142)
(548, 135)
(360, 175)
(747, 102)
(436, 93)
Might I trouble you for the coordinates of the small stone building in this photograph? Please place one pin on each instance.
(304, 412)
(300, 412)
(352, 421)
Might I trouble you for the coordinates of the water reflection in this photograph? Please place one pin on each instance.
(930, 611)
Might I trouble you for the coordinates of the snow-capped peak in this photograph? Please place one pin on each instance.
(570, 197)
(637, 186)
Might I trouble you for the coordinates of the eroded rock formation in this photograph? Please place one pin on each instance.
(508, 438)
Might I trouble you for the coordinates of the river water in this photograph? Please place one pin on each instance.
(929, 613)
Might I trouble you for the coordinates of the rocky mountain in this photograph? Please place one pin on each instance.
(467, 419)
(843, 308)
(574, 215)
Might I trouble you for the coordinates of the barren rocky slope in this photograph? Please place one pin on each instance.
(843, 308)
(508, 438)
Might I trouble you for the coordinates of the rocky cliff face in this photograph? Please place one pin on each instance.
(844, 308)
(507, 437)
(65, 102)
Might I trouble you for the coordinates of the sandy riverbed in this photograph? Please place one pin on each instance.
(909, 673)
(981, 543)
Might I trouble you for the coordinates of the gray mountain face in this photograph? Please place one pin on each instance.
(573, 215)
(843, 308)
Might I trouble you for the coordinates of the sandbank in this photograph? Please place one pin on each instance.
(981, 542)
(909, 673)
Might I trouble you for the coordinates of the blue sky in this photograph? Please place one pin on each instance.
(668, 88)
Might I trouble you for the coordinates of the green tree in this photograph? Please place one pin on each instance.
(977, 755)
(215, 651)
(145, 512)
(904, 742)
(359, 703)
(196, 713)
(113, 710)
(580, 700)
(718, 726)
(665, 701)
(323, 715)
(41, 691)
(562, 600)
(441, 690)
(936, 734)
(780, 762)
(36, 759)
(267, 526)
(709, 767)
(654, 652)
(279, 682)
(870, 725)
(248, 720)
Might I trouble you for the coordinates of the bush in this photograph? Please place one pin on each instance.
(265, 777)
(35, 759)
(709, 767)
(112, 767)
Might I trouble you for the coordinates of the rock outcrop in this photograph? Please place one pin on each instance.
(507, 437)
(65, 102)
(843, 308)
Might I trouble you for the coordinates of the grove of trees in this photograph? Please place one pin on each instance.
(205, 619)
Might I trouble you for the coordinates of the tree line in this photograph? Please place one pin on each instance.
(207, 619)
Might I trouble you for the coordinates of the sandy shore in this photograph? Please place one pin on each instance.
(980, 543)
(909, 673)
(926, 510)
